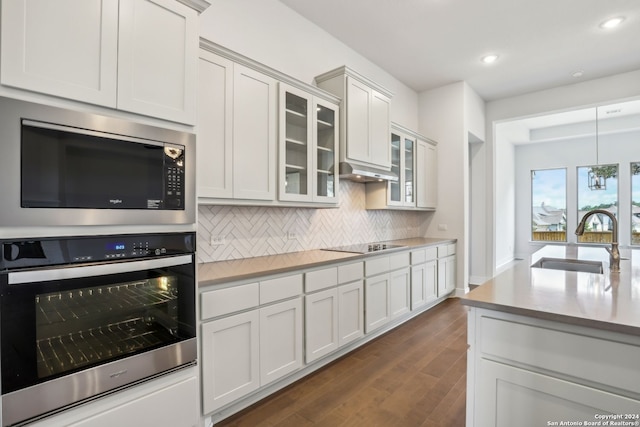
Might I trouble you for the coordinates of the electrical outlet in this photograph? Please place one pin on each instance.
(291, 235)
(217, 240)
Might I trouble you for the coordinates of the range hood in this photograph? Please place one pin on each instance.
(359, 173)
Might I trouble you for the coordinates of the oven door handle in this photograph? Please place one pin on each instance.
(22, 277)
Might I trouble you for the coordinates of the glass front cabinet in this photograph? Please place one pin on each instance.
(403, 165)
(413, 160)
(308, 147)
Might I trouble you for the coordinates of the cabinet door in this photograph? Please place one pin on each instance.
(66, 48)
(394, 195)
(230, 359)
(446, 275)
(254, 135)
(280, 340)
(358, 107)
(350, 312)
(158, 59)
(325, 160)
(506, 396)
(431, 281)
(400, 292)
(321, 323)
(214, 126)
(379, 124)
(377, 310)
(408, 172)
(418, 286)
(426, 175)
(296, 144)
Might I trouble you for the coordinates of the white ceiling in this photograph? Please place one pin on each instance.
(431, 43)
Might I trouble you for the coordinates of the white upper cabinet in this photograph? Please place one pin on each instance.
(215, 127)
(308, 147)
(158, 59)
(264, 138)
(254, 134)
(66, 48)
(236, 131)
(414, 161)
(135, 55)
(426, 175)
(365, 115)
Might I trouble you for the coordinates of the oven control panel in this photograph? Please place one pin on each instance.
(89, 249)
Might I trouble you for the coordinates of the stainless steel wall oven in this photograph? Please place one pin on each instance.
(85, 316)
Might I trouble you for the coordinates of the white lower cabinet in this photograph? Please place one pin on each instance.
(350, 312)
(243, 352)
(424, 283)
(334, 309)
(170, 400)
(377, 310)
(254, 338)
(515, 397)
(321, 323)
(387, 289)
(399, 292)
(529, 371)
(230, 359)
(280, 340)
(446, 269)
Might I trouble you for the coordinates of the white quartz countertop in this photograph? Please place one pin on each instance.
(606, 301)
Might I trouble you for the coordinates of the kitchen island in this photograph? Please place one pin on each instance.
(555, 347)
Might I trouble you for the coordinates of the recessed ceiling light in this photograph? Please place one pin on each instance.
(612, 23)
(577, 74)
(489, 59)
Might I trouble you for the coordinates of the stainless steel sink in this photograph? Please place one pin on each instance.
(569, 265)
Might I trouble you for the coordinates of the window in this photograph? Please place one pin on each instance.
(597, 189)
(635, 203)
(549, 205)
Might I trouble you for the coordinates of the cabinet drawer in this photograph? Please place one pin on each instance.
(446, 250)
(351, 272)
(420, 256)
(590, 358)
(225, 301)
(320, 279)
(280, 288)
(397, 261)
(376, 266)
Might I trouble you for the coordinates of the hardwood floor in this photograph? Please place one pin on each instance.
(412, 376)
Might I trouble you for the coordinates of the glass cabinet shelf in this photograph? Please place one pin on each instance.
(308, 138)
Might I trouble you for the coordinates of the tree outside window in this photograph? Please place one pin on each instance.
(549, 205)
(597, 189)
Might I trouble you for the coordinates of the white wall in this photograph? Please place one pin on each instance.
(477, 185)
(442, 119)
(269, 32)
(621, 149)
(588, 93)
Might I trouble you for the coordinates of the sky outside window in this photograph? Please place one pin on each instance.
(549, 205)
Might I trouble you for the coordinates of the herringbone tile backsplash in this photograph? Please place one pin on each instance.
(257, 231)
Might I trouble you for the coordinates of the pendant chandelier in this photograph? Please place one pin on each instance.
(597, 180)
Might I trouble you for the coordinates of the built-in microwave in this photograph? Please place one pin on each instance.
(63, 168)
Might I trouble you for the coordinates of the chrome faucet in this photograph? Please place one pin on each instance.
(614, 253)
